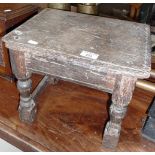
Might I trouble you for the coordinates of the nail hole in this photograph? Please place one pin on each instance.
(18, 32)
(16, 37)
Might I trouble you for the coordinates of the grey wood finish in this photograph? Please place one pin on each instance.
(106, 54)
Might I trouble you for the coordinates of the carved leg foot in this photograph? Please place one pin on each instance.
(27, 113)
(113, 127)
(121, 97)
(27, 107)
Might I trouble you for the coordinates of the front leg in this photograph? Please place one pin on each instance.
(121, 97)
(27, 107)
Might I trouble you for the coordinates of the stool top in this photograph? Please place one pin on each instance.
(93, 42)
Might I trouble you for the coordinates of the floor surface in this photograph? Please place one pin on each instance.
(71, 118)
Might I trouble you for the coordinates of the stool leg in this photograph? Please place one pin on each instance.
(121, 97)
(27, 106)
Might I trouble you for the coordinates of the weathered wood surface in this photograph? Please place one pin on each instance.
(27, 107)
(11, 16)
(62, 36)
(116, 53)
(104, 81)
(121, 97)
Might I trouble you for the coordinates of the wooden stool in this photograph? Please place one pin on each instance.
(106, 54)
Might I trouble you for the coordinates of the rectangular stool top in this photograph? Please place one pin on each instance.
(97, 43)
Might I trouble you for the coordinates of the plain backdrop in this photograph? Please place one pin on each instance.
(6, 147)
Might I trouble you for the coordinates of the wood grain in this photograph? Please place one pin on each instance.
(55, 48)
(9, 20)
(70, 118)
(63, 41)
(121, 97)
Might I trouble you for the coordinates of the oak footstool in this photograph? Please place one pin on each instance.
(102, 53)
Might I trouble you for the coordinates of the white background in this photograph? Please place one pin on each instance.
(6, 147)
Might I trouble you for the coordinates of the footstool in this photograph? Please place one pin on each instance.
(102, 53)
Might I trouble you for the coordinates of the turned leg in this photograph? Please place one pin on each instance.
(121, 97)
(27, 106)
